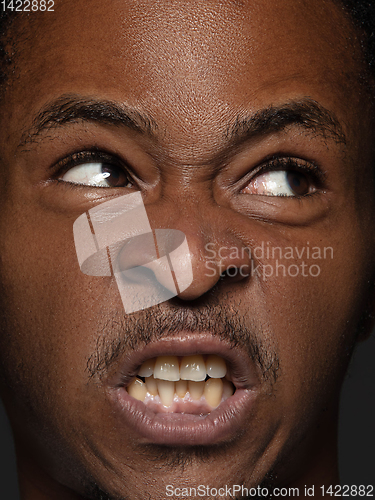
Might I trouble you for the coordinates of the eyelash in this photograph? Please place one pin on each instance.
(277, 163)
(271, 164)
(62, 166)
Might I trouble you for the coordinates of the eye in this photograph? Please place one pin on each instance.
(94, 169)
(289, 179)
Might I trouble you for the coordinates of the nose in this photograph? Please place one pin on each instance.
(187, 256)
(216, 255)
(165, 253)
(215, 249)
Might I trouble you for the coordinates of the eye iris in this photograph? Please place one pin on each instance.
(298, 183)
(114, 176)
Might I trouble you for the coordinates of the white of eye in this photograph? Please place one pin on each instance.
(271, 184)
(89, 174)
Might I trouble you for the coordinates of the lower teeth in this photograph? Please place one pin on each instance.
(213, 390)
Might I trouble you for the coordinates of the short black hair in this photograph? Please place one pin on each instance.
(5, 21)
(361, 12)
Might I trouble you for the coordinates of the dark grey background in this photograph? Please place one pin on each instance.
(357, 435)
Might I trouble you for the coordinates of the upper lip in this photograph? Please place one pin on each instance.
(242, 370)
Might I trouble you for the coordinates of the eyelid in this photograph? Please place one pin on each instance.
(88, 156)
(92, 156)
(287, 164)
(291, 163)
(283, 162)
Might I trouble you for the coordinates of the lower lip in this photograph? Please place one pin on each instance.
(223, 424)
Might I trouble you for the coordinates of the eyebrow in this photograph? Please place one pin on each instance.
(73, 108)
(305, 113)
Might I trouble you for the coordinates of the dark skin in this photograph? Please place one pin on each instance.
(193, 68)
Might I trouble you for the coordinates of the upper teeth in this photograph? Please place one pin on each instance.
(170, 379)
(194, 368)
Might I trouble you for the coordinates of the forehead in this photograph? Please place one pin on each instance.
(194, 64)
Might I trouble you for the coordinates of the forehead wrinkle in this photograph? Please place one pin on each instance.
(304, 113)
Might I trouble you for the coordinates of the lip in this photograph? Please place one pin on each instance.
(222, 424)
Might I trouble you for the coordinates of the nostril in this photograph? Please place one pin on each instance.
(235, 273)
(210, 273)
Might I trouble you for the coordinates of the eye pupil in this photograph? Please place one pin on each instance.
(298, 182)
(113, 176)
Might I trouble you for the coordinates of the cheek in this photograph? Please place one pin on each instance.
(49, 310)
(53, 318)
(312, 313)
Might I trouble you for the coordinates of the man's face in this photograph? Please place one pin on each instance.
(242, 102)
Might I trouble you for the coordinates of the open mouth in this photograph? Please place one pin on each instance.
(182, 384)
(186, 390)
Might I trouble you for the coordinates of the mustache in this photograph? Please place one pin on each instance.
(121, 333)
